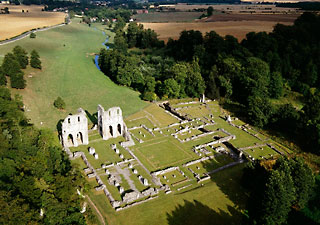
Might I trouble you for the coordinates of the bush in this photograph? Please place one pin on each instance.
(33, 35)
(59, 103)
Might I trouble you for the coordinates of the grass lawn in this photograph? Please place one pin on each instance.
(209, 165)
(172, 177)
(69, 71)
(264, 151)
(196, 111)
(156, 115)
(164, 152)
(104, 151)
(220, 200)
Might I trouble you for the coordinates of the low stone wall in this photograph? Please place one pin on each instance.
(197, 161)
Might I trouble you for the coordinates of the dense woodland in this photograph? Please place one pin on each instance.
(246, 76)
(35, 174)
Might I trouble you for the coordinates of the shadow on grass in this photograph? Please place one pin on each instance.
(92, 117)
(196, 213)
(229, 182)
(59, 126)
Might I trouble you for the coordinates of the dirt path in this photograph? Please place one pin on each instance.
(97, 210)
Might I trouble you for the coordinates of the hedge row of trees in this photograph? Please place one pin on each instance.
(12, 66)
(35, 173)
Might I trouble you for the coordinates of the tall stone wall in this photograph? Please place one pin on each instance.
(75, 130)
(110, 123)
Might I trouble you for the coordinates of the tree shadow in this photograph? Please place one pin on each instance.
(59, 126)
(229, 181)
(196, 213)
(92, 117)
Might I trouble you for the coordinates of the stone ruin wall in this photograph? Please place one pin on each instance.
(110, 125)
(75, 130)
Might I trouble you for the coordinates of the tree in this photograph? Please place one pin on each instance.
(133, 33)
(33, 35)
(195, 85)
(59, 103)
(304, 181)
(170, 88)
(17, 81)
(120, 41)
(120, 24)
(212, 90)
(6, 10)
(35, 60)
(3, 80)
(21, 56)
(276, 85)
(276, 187)
(10, 65)
(209, 11)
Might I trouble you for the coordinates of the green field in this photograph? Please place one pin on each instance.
(162, 153)
(67, 55)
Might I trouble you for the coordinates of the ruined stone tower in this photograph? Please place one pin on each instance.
(110, 122)
(75, 130)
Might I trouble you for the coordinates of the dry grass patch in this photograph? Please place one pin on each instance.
(17, 22)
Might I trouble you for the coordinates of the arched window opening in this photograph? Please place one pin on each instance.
(70, 139)
(111, 131)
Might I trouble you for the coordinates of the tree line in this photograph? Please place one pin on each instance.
(247, 76)
(14, 62)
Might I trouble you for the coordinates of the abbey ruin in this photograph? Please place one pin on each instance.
(110, 125)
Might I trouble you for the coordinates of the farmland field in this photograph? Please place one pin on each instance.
(68, 70)
(17, 22)
(238, 29)
(161, 17)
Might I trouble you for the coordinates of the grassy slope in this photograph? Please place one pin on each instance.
(68, 71)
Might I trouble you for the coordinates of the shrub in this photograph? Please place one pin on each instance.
(59, 103)
(33, 35)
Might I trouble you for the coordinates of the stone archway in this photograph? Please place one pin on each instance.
(111, 131)
(70, 140)
(80, 138)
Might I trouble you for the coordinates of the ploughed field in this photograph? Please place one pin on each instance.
(18, 22)
(280, 18)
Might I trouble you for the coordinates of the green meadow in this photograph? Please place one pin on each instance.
(67, 54)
